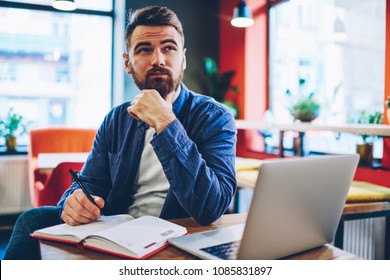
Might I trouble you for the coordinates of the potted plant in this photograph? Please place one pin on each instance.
(364, 149)
(217, 85)
(12, 126)
(304, 107)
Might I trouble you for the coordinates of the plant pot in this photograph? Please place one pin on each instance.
(305, 115)
(365, 152)
(10, 143)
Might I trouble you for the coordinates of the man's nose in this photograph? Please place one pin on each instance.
(158, 58)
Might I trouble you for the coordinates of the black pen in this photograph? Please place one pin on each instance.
(76, 179)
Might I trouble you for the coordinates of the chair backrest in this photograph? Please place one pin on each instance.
(55, 140)
(57, 182)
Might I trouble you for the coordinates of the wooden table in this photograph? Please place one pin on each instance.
(60, 251)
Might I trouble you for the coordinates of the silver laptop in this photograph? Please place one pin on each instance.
(297, 204)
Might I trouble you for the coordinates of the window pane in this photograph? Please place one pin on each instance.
(337, 48)
(98, 5)
(55, 68)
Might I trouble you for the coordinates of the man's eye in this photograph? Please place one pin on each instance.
(169, 48)
(144, 50)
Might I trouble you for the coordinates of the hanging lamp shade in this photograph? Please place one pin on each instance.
(242, 15)
(64, 5)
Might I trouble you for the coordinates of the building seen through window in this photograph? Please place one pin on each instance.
(337, 48)
(55, 68)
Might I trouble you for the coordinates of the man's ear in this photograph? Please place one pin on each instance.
(127, 64)
(184, 59)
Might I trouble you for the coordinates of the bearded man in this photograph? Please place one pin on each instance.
(168, 153)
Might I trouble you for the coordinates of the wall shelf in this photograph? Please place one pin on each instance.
(368, 129)
(381, 130)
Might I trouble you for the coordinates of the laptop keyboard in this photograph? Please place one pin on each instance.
(226, 251)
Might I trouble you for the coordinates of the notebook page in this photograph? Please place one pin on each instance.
(82, 231)
(141, 236)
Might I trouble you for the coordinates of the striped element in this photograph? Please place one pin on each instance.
(14, 184)
(365, 238)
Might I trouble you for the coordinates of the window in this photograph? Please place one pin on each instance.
(55, 68)
(338, 48)
(98, 5)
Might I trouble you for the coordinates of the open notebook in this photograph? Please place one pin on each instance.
(297, 204)
(120, 235)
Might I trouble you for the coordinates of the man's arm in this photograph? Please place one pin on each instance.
(200, 166)
(75, 206)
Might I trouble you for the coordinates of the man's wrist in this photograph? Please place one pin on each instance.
(164, 123)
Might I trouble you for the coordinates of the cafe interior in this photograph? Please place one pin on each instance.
(302, 79)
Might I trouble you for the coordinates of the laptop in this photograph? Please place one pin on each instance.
(297, 204)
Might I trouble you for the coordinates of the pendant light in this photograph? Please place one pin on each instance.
(242, 15)
(64, 5)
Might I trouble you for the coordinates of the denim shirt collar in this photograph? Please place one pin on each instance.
(181, 99)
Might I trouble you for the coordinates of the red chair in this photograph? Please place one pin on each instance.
(47, 188)
(50, 190)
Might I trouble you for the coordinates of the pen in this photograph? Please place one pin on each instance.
(74, 176)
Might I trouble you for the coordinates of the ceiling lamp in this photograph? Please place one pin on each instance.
(242, 16)
(64, 5)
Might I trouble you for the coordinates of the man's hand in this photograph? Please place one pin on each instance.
(151, 108)
(79, 210)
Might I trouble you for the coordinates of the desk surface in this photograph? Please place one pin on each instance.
(60, 251)
(369, 209)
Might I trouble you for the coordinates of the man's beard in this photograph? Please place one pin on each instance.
(163, 85)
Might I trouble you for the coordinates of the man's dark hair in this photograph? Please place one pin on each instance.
(152, 16)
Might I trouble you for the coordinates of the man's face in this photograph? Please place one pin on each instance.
(156, 58)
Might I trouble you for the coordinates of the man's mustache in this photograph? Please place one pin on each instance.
(159, 70)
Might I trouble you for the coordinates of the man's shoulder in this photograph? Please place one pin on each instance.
(203, 100)
(204, 111)
(206, 103)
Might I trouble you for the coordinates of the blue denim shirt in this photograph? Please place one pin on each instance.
(196, 151)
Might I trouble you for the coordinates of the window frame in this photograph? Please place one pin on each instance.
(250, 143)
(114, 48)
(47, 8)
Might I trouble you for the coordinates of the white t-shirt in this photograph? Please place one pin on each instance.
(151, 181)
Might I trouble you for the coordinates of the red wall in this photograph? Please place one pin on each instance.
(386, 141)
(246, 51)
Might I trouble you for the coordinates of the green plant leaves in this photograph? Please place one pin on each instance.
(210, 66)
(306, 109)
(365, 118)
(13, 124)
(217, 85)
